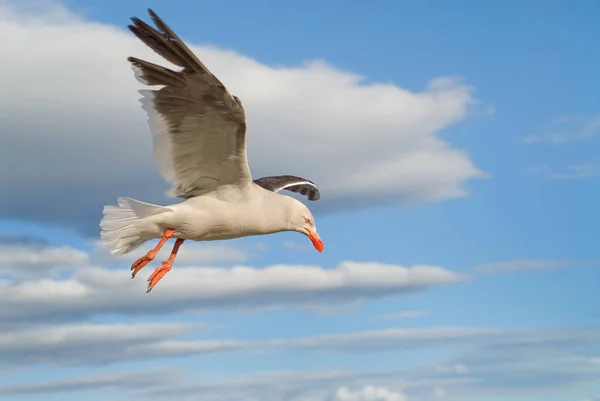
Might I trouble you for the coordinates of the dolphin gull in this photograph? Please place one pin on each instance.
(199, 140)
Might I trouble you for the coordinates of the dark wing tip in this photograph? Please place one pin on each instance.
(291, 183)
(309, 190)
(161, 25)
(137, 24)
(314, 195)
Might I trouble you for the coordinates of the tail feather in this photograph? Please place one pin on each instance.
(121, 232)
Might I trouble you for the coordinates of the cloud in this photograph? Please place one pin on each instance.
(18, 239)
(89, 344)
(368, 393)
(403, 315)
(86, 344)
(76, 130)
(293, 245)
(567, 129)
(316, 385)
(581, 171)
(93, 291)
(192, 254)
(435, 337)
(546, 367)
(539, 169)
(173, 383)
(510, 266)
(209, 254)
(123, 381)
(492, 362)
(31, 259)
(439, 392)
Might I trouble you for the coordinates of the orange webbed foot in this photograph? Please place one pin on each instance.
(159, 273)
(141, 262)
(149, 257)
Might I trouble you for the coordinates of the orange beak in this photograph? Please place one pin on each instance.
(316, 240)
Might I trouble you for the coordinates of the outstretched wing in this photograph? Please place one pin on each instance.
(291, 183)
(199, 128)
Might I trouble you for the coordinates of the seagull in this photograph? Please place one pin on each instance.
(199, 143)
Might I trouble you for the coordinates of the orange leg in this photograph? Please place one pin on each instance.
(164, 267)
(149, 257)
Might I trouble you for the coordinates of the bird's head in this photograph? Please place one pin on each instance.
(303, 222)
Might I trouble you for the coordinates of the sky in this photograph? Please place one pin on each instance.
(455, 146)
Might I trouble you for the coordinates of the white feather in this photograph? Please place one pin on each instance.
(139, 75)
(121, 228)
(160, 136)
(293, 184)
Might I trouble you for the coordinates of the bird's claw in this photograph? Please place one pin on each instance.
(140, 263)
(158, 274)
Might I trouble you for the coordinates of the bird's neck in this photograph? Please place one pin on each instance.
(278, 211)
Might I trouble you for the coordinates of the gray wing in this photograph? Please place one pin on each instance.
(291, 183)
(198, 127)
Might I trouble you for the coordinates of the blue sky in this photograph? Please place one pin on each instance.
(510, 310)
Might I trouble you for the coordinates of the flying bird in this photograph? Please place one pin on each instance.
(199, 141)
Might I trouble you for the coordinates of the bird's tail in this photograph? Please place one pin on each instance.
(121, 231)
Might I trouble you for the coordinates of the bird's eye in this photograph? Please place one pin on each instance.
(307, 220)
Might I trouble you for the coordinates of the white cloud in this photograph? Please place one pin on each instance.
(492, 362)
(296, 246)
(192, 254)
(83, 343)
(457, 368)
(31, 260)
(403, 315)
(539, 169)
(70, 110)
(519, 265)
(368, 393)
(595, 361)
(121, 380)
(439, 392)
(94, 290)
(62, 344)
(394, 338)
(568, 129)
(86, 344)
(208, 254)
(581, 171)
